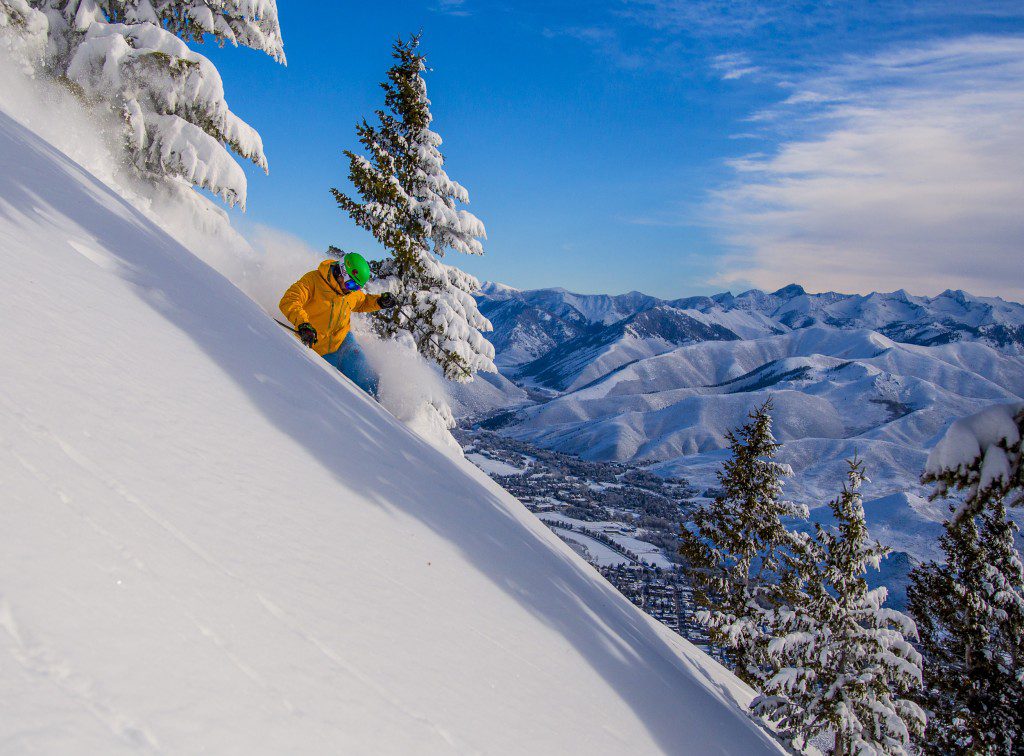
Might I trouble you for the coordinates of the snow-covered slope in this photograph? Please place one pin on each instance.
(593, 355)
(484, 395)
(211, 542)
(834, 391)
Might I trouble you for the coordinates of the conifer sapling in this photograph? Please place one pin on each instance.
(970, 609)
(840, 664)
(411, 206)
(733, 551)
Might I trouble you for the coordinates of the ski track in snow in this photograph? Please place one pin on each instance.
(125, 553)
(42, 661)
(342, 663)
(80, 459)
(94, 255)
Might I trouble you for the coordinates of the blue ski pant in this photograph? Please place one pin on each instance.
(351, 362)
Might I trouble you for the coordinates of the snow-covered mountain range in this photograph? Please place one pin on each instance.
(212, 542)
(637, 378)
(530, 324)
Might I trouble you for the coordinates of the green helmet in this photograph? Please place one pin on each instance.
(356, 267)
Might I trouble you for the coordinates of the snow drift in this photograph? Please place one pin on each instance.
(211, 541)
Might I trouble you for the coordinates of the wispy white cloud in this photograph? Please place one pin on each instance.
(703, 16)
(607, 42)
(735, 18)
(451, 7)
(734, 65)
(904, 169)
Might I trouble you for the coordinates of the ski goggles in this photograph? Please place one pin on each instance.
(345, 280)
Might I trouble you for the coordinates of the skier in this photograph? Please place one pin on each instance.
(320, 305)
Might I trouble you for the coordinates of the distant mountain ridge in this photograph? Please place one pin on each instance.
(530, 324)
(650, 331)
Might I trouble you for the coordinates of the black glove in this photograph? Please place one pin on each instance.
(387, 300)
(307, 334)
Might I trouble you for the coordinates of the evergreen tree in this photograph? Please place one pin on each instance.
(980, 458)
(23, 32)
(733, 555)
(970, 610)
(19, 14)
(133, 56)
(840, 663)
(410, 205)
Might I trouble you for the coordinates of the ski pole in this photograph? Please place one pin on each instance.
(285, 325)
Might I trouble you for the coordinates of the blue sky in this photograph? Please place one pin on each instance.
(674, 147)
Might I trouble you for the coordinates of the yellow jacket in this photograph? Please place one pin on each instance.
(317, 299)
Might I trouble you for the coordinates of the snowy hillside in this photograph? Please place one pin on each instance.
(213, 543)
(880, 376)
(662, 387)
(827, 384)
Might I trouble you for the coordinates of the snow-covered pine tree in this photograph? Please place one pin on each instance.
(733, 554)
(16, 14)
(840, 664)
(23, 31)
(970, 610)
(133, 56)
(981, 457)
(410, 205)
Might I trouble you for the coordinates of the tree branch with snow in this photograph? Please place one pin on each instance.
(132, 56)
